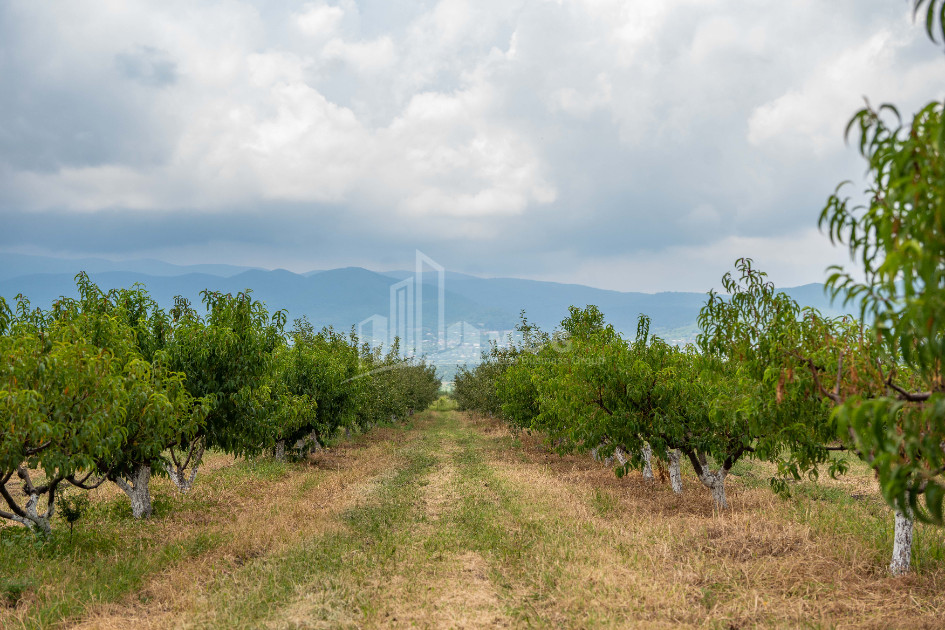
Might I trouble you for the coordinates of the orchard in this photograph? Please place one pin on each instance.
(110, 388)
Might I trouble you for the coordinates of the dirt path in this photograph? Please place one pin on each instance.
(455, 523)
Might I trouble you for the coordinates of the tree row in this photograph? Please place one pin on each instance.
(110, 387)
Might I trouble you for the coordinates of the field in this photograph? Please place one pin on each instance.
(452, 521)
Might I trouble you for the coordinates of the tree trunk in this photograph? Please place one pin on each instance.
(675, 478)
(595, 453)
(647, 454)
(715, 481)
(279, 451)
(178, 472)
(620, 455)
(902, 544)
(137, 489)
(34, 520)
(28, 514)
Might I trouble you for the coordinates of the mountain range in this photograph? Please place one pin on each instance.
(344, 297)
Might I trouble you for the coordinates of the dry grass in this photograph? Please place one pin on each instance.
(682, 564)
(455, 523)
(252, 518)
(449, 588)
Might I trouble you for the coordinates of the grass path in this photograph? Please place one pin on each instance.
(454, 523)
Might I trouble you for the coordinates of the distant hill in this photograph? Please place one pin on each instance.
(343, 297)
(546, 303)
(14, 265)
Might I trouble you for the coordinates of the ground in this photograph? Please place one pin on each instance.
(450, 521)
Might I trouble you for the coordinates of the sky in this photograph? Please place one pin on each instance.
(625, 144)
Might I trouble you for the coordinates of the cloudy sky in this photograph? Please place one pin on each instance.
(626, 144)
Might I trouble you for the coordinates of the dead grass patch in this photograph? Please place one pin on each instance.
(439, 488)
(453, 591)
(433, 580)
(254, 520)
(680, 563)
(460, 523)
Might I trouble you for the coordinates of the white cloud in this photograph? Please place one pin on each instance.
(808, 118)
(689, 128)
(364, 56)
(790, 260)
(266, 69)
(319, 20)
(582, 104)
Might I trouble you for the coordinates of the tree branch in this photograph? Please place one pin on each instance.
(11, 502)
(51, 502)
(694, 460)
(836, 389)
(835, 397)
(81, 484)
(24, 474)
(32, 451)
(906, 395)
(124, 485)
(600, 401)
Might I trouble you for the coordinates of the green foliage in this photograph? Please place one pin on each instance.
(444, 403)
(101, 386)
(226, 356)
(934, 12)
(62, 403)
(587, 388)
(312, 381)
(392, 388)
(475, 389)
(157, 410)
(72, 507)
(57, 400)
(898, 238)
(777, 352)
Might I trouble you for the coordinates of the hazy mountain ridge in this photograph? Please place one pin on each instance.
(15, 265)
(343, 297)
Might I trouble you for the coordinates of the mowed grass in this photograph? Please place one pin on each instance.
(237, 510)
(451, 521)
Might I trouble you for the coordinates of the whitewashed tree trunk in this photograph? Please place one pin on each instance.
(621, 456)
(647, 454)
(178, 472)
(675, 477)
(902, 544)
(279, 451)
(715, 481)
(595, 453)
(307, 444)
(33, 519)
(28, 514)
(136, 487)
(182, 480)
